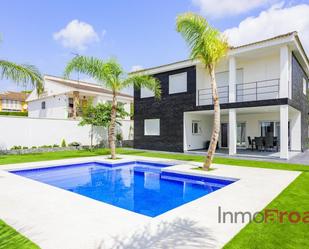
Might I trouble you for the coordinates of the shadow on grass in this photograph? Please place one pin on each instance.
(179, 233)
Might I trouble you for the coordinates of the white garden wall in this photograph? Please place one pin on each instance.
(37, 131)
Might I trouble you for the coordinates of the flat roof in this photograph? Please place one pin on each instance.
(190, 62)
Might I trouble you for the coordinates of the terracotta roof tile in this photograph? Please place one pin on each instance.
(20, 96)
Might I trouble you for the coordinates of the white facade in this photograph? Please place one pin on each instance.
(11, 105)
(250, 119)
(57, 95)
(255, 83)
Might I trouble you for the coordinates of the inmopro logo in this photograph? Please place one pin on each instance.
(264, 216)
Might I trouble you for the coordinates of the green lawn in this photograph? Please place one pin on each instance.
(11, 239)
(8, 159)
(254, 235)
(275, 235)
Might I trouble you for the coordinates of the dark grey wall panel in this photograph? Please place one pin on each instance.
(299, 100)
(169, 110)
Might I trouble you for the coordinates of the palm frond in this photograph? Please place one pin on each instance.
(25, 74)
(146, 81)
(107, 73)
(205, 42)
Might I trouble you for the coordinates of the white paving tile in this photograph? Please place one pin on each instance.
(57, 219)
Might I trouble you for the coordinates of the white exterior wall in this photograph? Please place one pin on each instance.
(253, 69)
(56, 107)
(39, 131)
(196, 141)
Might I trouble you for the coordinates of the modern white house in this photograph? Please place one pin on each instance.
(63, 99)
(263, 99)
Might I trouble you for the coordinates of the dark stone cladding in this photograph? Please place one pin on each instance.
(170, 111)
(300, 101)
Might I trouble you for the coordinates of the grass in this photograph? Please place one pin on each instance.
(35, 157)
(11, 239)
(254, 235)
(275, 235)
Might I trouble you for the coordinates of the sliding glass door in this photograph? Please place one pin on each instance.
(241, 134)
(272, 128)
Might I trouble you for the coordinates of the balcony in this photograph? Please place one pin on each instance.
(251, 91)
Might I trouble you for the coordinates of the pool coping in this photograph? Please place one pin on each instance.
(15, 215)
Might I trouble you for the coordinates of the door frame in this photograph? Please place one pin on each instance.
(227, 135)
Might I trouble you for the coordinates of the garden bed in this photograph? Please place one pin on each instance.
(38, 150)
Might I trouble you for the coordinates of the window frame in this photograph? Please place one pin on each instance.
(148, 91)
(199, 128)
(159, 128)
(174, 75)
(43, 105)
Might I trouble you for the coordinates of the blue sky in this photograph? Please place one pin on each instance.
(138, 33)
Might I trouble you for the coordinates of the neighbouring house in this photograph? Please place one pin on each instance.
(13, 101)
(262, 88)
(64, 99)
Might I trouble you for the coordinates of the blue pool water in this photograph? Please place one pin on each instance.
(140, 187)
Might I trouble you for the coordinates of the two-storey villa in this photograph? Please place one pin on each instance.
(263, 99)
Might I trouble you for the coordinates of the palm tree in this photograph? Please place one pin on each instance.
(110, 74)
(208, 46)
(21, 73)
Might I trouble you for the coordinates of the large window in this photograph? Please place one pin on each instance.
(152, 127)
(241, 134)
(177, 83)
(146, 93)
(269, 128)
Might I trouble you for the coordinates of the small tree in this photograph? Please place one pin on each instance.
(99, 115)
(63, 143)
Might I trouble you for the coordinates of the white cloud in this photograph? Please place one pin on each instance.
(222, 8)
(274, 21)
(76, 35)
(136, 68)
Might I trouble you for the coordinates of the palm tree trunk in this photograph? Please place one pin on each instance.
(216, 124)
(111, 134)
(91, 138)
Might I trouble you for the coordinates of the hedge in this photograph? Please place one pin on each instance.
(23, 114)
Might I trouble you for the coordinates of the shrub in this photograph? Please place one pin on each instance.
(16, 147)
(55, 145)
(119, 137)
(25, 147)
(46, 146)
(75, 144)
(34, 147)
(63, 143)
(23, 114)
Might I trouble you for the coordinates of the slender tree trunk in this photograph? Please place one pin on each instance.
(216, 123)
(111, 133)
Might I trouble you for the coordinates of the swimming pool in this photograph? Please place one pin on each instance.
(137, 186)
